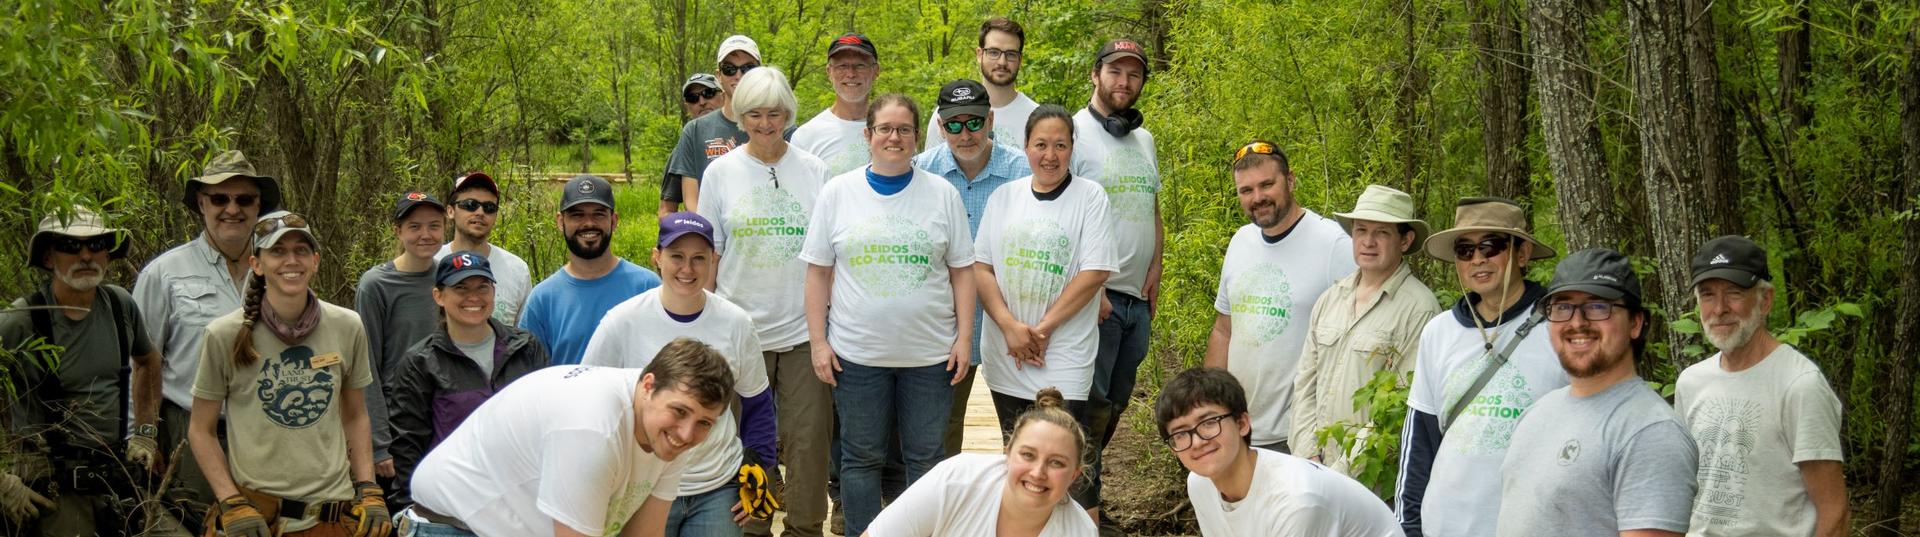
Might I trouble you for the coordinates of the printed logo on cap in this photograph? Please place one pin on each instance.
(416, 196)
(586, 187)
(1127, 46)
(962, 93)
(848, 40)
(1720, 259)
(1607, 277)
(689, 222)
(463, 261)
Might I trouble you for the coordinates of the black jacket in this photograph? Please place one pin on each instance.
(438, 386)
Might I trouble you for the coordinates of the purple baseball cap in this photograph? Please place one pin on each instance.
(673, 226)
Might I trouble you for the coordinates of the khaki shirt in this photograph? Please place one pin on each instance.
(1346, 347)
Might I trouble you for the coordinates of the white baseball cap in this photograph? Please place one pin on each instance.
(738, 42)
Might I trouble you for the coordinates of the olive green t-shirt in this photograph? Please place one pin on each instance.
(88, 371)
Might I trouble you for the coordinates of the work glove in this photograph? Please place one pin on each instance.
(756, 490)
(238, 518)
(143, 451)
(371, 509)
(21, 503)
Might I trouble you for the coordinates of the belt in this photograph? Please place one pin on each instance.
(436, 518)
(326, 511)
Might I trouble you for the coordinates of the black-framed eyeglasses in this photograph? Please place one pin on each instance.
(471, 205)
(1561, 312)
(1255, 147)
(698, 95)
(731, 69)
(266, 226)
(1207, 429)
(995, 54)
(221, 200)
(972, 125)
(1487, 247)
(72, 245)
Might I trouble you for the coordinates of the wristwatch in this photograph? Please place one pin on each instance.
(147, 430)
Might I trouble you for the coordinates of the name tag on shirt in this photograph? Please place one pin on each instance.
(324, 360)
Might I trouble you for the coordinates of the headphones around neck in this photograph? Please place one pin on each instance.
(1121, 123)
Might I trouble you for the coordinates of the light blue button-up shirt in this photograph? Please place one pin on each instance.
(1003, 166)
(179, 292)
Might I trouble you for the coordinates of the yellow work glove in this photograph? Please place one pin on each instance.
(370, 508)
(21, 502)
(238, 518)
(143, 451)
(756, 492)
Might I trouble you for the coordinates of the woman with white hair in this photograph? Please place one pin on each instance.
(759, 198)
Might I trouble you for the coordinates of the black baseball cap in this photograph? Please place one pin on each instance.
(1597, 271)
(474, 179)
(853, 41)
(461, 265)
(415, 198)
(1122, 48)
(963, 97)
(1732, 258)
(586, 189)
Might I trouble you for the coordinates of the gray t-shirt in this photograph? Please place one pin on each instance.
(397, 310)
(481, 352)
(702, 140)
(1597, 465)
(89, 370)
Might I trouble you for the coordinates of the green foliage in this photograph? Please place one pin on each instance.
(1375, 446)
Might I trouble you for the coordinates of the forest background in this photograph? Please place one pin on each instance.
(1643, 125)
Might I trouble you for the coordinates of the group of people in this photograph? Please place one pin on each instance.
(827, 294)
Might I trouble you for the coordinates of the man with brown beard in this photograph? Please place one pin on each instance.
(563, 310)
(999, 53)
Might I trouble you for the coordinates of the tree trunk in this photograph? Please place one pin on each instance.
(1502, 63)
(1906, 345)
(1589, 214)
(1406, 116)
(1712, 122)
(1669, 162)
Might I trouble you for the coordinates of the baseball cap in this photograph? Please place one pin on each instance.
(704, 79)
(963, 97)
(461, 265)
(740, 43)
(415, 198)
(1597, 271)
(586, 189)
(675, 225)
(852, 41)
(474, 179)
(1732, 258)
(1122, 48)
(270, 227)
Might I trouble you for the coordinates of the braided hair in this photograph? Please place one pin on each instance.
(243, 353)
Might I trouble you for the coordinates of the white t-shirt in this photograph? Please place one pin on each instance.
(512, 281)
(1009, 124)
(1753, 429)
(1127, 167)
(1268, 291)
(556, 445)
(892, 302)
(1294, 497)
(634, 331)
(759, 213)
(842, 145)
(1035, 248)
(961, 496)
(1463, 488)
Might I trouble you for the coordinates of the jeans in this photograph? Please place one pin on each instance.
(803, 406)
(875, 403)
(957, 416)
(1123, 345)
(1009, 408)
(707, 514)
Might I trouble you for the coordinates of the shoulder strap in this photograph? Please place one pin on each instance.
(119, 308)
(1498, 360)
(39, 314)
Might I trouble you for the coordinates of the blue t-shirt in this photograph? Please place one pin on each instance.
(563, 311)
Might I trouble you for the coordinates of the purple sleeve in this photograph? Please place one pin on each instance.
(756, 427)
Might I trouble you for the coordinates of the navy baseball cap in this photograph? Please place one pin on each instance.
(461, 265)
(675, 225)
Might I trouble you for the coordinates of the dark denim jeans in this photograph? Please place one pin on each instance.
(1123, 345)
(875, 403)
(707, 514)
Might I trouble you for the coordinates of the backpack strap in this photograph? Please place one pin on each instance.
(1498, 360)
(120, 307)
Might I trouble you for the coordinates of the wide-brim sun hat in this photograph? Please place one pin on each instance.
(82, 224)
(1380, 203)
(226, 167)
(1490, 214)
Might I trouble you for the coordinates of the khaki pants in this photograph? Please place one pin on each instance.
(804, 411)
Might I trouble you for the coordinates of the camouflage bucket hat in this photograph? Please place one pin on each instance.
(225, 167)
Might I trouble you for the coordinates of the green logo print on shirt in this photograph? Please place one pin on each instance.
(1486, 426)
(769, 227)
(891, 255)
(624, 504)
(1261, 303)
(1033, 263)
(1730, 431)
(1129, 180)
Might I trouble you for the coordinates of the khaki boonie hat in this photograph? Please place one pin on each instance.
(227, 166)
(1384, 204)
(83, 224)
(1485, 214)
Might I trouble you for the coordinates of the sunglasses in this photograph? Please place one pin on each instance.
(973, 125)
(471, 205)
(72, 245)
(1487, 248)
(267, 226)
(696, 96)
(1255, 148)
(731, 69)
(243, 200)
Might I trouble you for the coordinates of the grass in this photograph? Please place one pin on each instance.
(606, 160)
(527, 228)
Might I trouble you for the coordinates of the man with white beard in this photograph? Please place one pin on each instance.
(1765, 420)
(69, 416)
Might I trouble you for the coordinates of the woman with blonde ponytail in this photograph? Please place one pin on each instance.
(1022, 493)
(289, 371)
